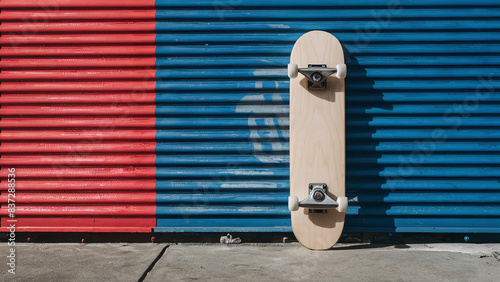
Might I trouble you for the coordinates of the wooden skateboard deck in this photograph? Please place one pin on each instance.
(317, 139)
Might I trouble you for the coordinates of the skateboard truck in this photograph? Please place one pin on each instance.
(317, 74)
(318, 200)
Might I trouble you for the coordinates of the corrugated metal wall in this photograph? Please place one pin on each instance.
(77, 116)
(422, 112)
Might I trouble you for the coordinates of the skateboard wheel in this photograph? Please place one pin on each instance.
(341, 70)
(342, 204)
(293, 203)
(293, 70)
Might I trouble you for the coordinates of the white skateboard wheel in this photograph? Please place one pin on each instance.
(293, 203)
(342, 204)
(341, 70)
(293, 70)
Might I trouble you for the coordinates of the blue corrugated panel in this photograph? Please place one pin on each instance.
(422, 113)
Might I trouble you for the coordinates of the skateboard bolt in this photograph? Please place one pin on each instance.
(316, 77)
(319, 196)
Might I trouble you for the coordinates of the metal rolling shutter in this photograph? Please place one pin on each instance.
(422, 123)
(422, 111)
(77, 116)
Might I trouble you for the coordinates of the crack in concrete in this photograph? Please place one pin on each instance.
(496, 255)
(153, 263)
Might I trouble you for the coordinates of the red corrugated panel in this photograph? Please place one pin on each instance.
(79, 51)
(78, 147)
(85, 172)
(77, 15)
(97, 74)
(65, 27)
(72, 122)
(90, 110)
(91, 135)
(77, 86)
(89, 4)
(77, 98)
(78, 115)
(78, 159)
(78, 63)
(69, 185)
(78, 39)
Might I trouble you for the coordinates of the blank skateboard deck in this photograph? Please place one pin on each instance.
(317, 139)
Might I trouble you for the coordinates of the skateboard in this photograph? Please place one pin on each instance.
(317, 140)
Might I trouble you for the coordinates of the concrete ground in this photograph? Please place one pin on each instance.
(251, 262)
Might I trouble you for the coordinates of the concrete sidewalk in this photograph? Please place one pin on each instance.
(252, 262)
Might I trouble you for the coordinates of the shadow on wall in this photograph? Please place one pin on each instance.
(364, 183)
